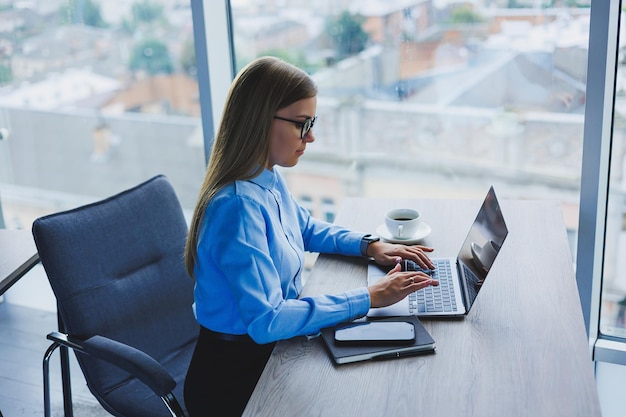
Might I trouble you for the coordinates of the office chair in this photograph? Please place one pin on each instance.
(124, 299)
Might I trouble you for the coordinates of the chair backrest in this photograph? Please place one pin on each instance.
(116, 268)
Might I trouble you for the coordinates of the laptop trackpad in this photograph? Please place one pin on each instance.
(401, 308)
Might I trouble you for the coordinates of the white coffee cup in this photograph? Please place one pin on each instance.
(488, 253)
(402, 223)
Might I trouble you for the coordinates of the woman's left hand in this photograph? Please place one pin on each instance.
(385, 253)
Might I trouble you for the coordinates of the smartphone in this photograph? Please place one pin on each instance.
(376, 332)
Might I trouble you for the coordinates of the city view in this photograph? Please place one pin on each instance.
(419, 98)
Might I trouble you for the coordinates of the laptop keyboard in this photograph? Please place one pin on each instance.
(433, 299)
(473, 283)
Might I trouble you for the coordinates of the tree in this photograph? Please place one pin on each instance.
(346, 34)
(151, 56)
(142, 13)
(146, 11)
(6, 74)
(465, 15)
(84, 11)
(188, 58)
(296, 58)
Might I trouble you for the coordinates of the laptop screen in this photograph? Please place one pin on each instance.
(482, 244)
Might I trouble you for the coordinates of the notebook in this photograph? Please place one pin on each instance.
(460, 279)
(342, 354)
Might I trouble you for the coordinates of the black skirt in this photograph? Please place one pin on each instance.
(223, 372)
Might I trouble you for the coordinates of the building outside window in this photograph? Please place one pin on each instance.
(95, 97)
(328, 209)
(434, 99)
(307, 202)
(419, 97)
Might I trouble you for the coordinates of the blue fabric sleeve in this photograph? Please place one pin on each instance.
(249, 271)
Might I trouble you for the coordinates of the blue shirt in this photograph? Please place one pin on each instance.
(250, 259)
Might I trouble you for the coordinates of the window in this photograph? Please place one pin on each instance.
(307, 202)
(433, 99)
(96, 97)
(599, 267)
(613, 307)
(328, 209)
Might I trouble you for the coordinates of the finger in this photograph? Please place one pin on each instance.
(421, 276)
(409, 282)
(427, 282)
(418, 249)
(396, 268)
(423, 248)
(427, 262)
(416, 278)
(421, 285)
(422, 259)
(389, 259)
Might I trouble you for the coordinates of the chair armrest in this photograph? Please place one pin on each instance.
(128, 358)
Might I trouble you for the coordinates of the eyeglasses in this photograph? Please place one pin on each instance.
(305, 126)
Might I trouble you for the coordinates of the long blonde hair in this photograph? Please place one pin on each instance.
(241, 147)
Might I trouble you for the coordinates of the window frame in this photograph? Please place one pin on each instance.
(596, 167)
(213, 31)
(602, 74)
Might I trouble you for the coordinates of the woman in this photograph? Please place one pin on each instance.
(248, 236)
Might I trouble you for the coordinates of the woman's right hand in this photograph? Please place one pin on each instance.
(396, 285)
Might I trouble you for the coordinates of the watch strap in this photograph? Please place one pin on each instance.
(366, 241)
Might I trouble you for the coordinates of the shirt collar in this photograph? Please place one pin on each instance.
(266, 179)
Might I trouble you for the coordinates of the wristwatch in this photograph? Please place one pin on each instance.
(366, 241)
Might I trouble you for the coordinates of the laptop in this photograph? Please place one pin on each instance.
(460, 278)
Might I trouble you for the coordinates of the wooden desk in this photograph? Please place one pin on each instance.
(18, 254)
(521, 351)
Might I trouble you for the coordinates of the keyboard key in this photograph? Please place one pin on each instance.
(434, 299)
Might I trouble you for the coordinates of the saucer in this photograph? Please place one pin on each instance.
(423, 230)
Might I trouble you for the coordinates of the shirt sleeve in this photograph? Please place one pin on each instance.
(323, 237)
(241, 256)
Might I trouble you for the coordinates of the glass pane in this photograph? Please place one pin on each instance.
(613, 305)
(433, 99)
(96, 96)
